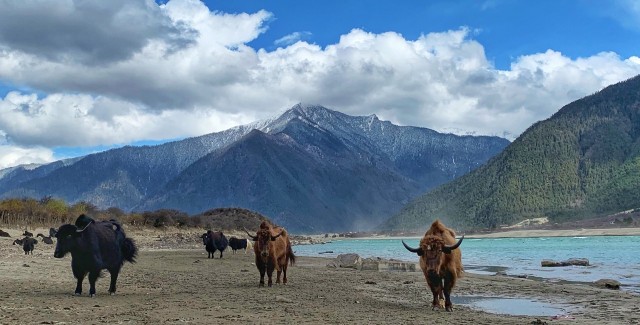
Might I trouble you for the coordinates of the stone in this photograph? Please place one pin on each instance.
(569, 262)
(608, 283)
(351, 260)
(397, 266)
(369, 264)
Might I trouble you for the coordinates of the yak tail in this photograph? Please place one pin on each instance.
(129, 250)
(292, 257)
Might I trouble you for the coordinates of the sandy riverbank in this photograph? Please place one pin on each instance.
(180, 285)
(559, 233)
(521, 233)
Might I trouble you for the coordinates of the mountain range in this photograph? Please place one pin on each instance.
(584, 161)
(310, 169)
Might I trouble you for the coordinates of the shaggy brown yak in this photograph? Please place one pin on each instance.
(273, 251)
(440, 261)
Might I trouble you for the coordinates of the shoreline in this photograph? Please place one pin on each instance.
(531, 233)
(520, 233)
(183, 286)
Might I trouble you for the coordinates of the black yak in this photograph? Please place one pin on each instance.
(94, 246)
(237, 243)
(28, 244)
(214, 241)
(46, 240)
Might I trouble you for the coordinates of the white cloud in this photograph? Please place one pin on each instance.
(82, 121)
(292, 38)
(14, 155)
(203, 77)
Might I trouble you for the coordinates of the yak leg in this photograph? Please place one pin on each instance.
(284, 273)
(278, 269)
(263, 270)
(80, 278)
(79, 285)
(93, 276)
(114, 279)
(79, 274)
(435, 284)
(449, 282)
(270, 274)
(220, 254)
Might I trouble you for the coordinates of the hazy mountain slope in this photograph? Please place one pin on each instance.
(304, 177)
(580, 162)
(118, 177)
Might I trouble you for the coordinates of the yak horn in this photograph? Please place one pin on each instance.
(85, 227)
(254, 238)
(278, 235)
(412, 250)
(447, 249)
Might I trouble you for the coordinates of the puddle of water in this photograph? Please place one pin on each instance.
(512, 306)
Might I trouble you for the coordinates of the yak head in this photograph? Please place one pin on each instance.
(205, 238)
(67, 236)
(262, 240)
(431, 250)
(67, 239)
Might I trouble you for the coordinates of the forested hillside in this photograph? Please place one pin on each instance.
(581, 162)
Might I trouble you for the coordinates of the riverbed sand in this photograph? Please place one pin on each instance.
(173, 282)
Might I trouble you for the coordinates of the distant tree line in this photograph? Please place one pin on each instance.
(24, 213)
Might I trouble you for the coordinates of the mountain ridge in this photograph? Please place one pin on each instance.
(347, 174)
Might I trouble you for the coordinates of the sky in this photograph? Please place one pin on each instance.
(83, 76)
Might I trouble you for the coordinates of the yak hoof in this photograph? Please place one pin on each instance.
(112, 293)
(93, 295)
(78, 294)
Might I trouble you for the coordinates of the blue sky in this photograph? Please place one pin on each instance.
(78, 76)
(507, 29)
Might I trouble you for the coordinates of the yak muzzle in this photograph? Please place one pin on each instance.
(57, 254)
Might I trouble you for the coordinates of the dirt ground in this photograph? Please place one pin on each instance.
(180, 285)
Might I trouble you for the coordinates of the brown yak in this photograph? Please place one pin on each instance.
(440, 261)
(273, 251)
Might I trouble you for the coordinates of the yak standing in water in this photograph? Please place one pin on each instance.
(440, 261)
(94, 246)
